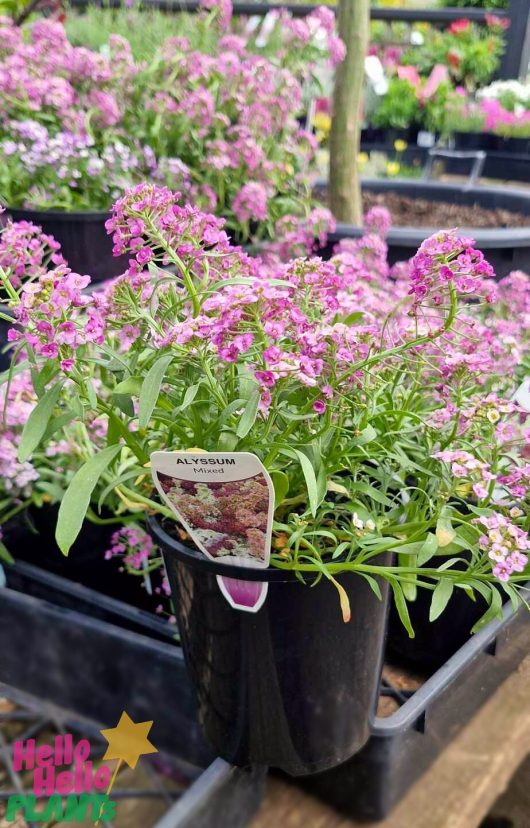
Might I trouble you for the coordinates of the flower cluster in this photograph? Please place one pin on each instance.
(348, 378)
(517, 483)
(26, 252)
(466, 465)
(449, 260)
(68, 170)
(133, 544)
(80, 127)
(503, 116)
(505, 543)
(412, 82)
(52, 304)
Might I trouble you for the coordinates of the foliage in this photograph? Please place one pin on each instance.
(383, 404)
(471, 52)
(79, 126)
(399, 108)
(477, 4)
(504, 115)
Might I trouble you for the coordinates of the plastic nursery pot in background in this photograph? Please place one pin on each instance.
(85, 244)
(434, 641)
(31, 538)
(5, 356)
(291, 686)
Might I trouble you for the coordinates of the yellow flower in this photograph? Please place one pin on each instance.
(362, 159)
(400, 145)
(393, 168)
(322, 122)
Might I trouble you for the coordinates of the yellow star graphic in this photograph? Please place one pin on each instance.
(128, 740)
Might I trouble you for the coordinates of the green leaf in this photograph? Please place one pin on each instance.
(57, 424)
(280, 482)
(339, 551)
(401, 606)
(125, 404)
(131, 385)
(428, 549)
(493, 611)
(440, 597)
(248, 418)
(410, 588)
(40, 379)
(372, 493)
(374, 586)
(37, 422)
(189, 396)
(5, 555)
(118, 429)
(353, 318)
(467, 536)
(366, 436)
(410, 548)
(310, 480)
(515, 598)
(151, 389)
(445, 534)
(76, 499)
(227, 441)
(230, 409)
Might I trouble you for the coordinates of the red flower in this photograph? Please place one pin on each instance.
(458, 26)
(496, 22)
(454, 58)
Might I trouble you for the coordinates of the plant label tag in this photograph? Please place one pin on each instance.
(225, 501)
(425, 139)
(522, 395)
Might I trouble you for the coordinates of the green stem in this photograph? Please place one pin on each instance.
(9, 289)
(190, 287)
(406, 346)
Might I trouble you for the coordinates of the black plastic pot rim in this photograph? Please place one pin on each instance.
(486, 238)
(60, 215)
(414, 236)
(195, 558)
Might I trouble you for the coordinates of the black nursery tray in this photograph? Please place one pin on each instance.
(97, 656)
(416, 720)
(75, 650)
(160, 793)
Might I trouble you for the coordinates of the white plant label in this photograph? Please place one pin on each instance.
(425, 139)
(522, 395)
(225, 501)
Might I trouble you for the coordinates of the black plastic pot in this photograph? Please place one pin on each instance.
(475, 141)
(506, 248)
(388, 136)
(85, 563)
(84, 241)
(434, 642)
(404, 745)
(291, 686)
(491, 143)
(5, 356)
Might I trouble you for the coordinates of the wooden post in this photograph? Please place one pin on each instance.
(344, 184)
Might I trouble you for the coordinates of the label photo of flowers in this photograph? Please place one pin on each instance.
(225, 518)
